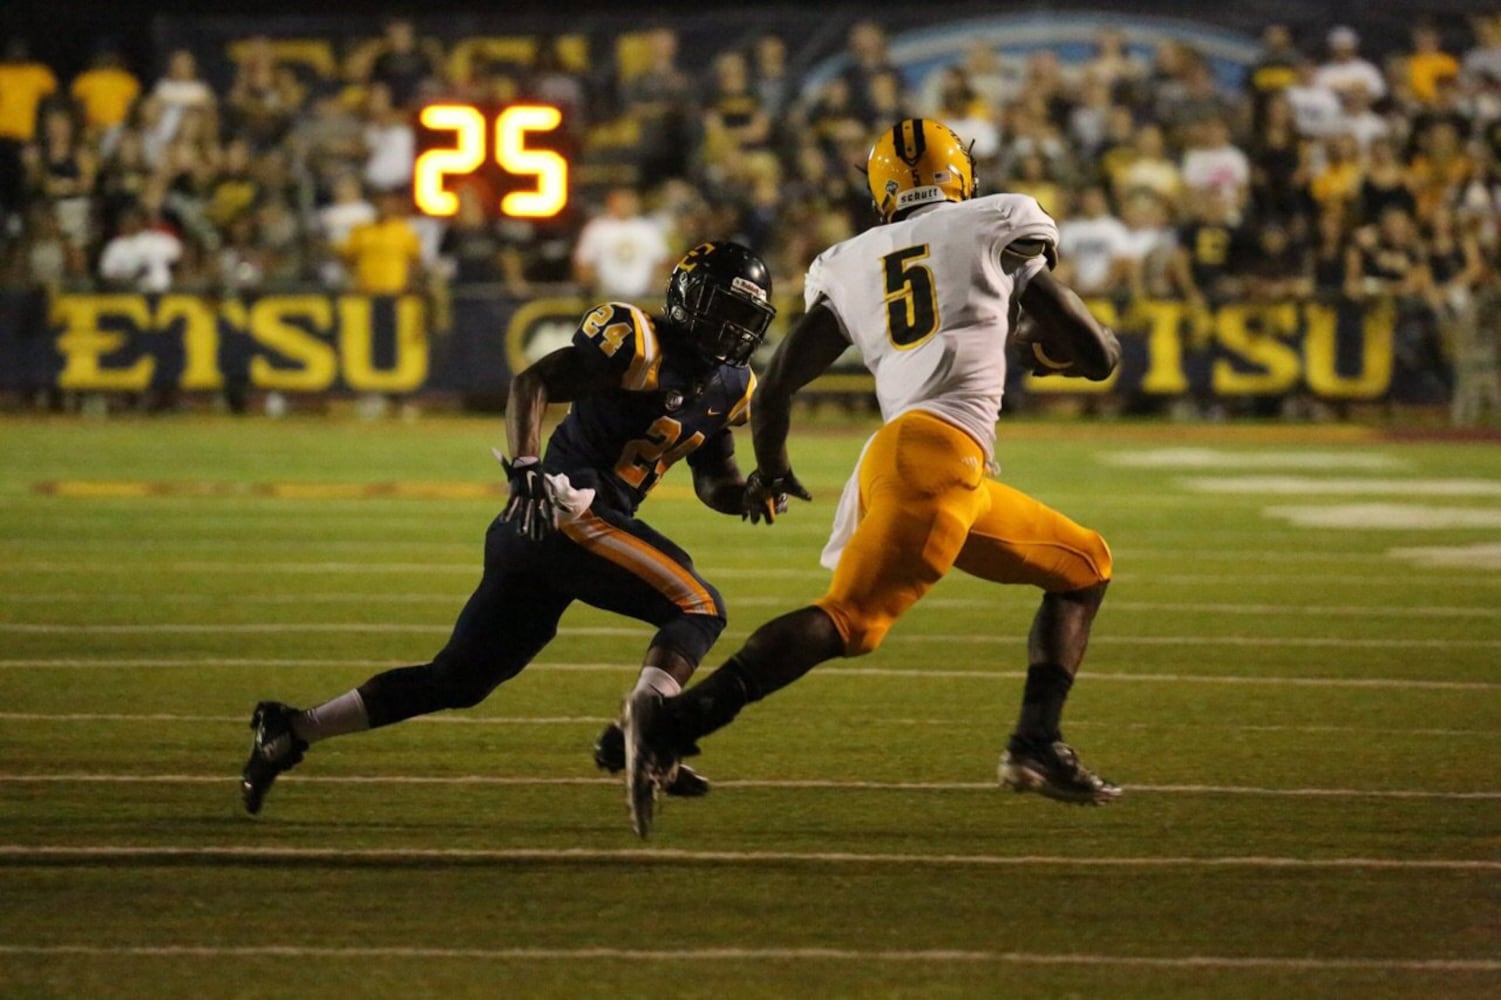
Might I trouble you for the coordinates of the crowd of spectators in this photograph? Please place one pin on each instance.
(1329, 173)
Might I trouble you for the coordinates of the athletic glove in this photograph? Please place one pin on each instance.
(530, 508)
(766, 496)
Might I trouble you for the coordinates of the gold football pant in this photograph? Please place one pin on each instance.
(926, 505)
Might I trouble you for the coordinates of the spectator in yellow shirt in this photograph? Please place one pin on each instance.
(23, 84)
(1338, 183)
(385, 256)
(1428, 63)
(105, 91)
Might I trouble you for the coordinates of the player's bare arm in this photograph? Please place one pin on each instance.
(814, 344)
(559, 377)
(1093, 348)
(807, 352)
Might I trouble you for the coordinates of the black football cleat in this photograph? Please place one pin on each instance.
(274, 748)
(649, 766)
(609, 755)
(1052, 769)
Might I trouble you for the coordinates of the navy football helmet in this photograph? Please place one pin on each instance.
(720, 293)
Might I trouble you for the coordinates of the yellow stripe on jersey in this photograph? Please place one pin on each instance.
(664, 574)
(641, 376)
(740, 414)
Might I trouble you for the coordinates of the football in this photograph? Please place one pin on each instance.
(1041, 349)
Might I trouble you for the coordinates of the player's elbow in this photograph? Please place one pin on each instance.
(718, 490)
(529, 387)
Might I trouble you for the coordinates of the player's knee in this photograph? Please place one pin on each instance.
(866, 638)
(462, 690)
(464, 678)
(1101, 562)
(862, 631)
(690, 636)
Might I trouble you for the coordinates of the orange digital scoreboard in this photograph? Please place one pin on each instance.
(514, 158)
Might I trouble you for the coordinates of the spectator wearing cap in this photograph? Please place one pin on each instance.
(1346, 69)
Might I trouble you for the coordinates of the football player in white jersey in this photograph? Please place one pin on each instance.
(929, 299)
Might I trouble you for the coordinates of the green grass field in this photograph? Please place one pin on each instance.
(1297, 676)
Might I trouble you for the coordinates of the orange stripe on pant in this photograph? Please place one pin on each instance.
(927, 506)
(630, 553)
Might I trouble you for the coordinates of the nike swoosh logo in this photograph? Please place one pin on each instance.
(714, 413)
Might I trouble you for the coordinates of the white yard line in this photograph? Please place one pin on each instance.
(595, 720)
(111, 663)
(139, 566)
(678, 856)
(823, 784)
(999, 602)
(462, 720)
(608, 631)
(939, 956)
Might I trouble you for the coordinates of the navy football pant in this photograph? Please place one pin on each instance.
(607, 560)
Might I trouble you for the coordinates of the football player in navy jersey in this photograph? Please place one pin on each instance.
(645, 392)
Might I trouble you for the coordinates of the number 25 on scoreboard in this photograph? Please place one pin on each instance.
(464, 155)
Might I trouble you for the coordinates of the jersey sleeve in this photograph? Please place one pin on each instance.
(818, 290)
(740, 413)
(621, 339)
(1027, 239)
(813, 284)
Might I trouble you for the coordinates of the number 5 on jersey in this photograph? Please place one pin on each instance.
(911, 299)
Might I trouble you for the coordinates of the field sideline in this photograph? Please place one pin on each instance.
(1296, 675)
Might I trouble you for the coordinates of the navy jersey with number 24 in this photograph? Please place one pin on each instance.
(620, 442)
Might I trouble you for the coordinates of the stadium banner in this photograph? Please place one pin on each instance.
(320, 343)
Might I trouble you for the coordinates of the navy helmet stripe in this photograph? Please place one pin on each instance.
(910, 154)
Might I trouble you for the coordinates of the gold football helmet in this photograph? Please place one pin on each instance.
(917, 162)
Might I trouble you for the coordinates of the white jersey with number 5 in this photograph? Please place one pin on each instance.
(928, 301)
